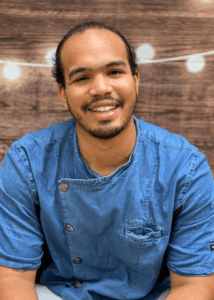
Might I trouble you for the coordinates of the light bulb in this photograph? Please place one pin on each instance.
(50, 56)
(145, 52)
(195, 63)
(11, 71)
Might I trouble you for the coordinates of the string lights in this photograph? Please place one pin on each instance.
(145, 54)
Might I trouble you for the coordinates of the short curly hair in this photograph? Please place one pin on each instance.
(58, 72)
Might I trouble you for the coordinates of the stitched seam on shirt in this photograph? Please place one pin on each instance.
(211, 221)
(151, 181)
(205, 264)
(171, 146)
(48, 142)
(166, 145)
(188, 269)
(189, 177)
(192, 167)
(19, 265)
(29, 173)
(199, 266)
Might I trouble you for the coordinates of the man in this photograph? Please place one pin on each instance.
(119, 199)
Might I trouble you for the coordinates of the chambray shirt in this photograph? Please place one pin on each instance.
(107, 236)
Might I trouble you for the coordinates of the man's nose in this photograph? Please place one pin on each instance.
(101, 85)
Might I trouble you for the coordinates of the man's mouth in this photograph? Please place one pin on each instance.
(105, 109)
(109, 113)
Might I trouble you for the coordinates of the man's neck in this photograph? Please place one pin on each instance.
(107, 155)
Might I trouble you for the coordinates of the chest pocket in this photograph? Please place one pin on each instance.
(145, 234)
(147, 244)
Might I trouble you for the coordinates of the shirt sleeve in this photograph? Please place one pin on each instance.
(191, 246)
(21, 234)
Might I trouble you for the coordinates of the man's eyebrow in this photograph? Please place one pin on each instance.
(81, 69)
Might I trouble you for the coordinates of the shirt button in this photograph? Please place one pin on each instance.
(69, 228)
(77, 261)
(63, 187)
(78, 284)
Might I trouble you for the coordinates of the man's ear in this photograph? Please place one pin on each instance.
(61, 92)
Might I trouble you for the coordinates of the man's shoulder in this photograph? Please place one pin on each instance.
(46, 135)
(164, 137)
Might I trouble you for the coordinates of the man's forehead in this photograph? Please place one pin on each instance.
(92, 32)
(96, 40)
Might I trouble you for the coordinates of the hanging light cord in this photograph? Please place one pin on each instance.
(142, 61)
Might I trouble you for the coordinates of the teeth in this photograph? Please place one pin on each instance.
(104, 108)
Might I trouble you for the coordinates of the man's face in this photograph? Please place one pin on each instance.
(94, 49)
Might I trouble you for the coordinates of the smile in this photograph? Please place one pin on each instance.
(109, 114)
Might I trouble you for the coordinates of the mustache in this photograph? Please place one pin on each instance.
(96, 100)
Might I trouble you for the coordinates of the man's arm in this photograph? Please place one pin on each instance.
(16, 284)
(191, 288)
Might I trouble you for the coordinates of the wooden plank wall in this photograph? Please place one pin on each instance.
(170, 96)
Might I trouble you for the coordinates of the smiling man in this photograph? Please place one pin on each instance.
(100, 92)
(123, 208)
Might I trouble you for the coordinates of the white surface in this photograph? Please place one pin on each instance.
(164, 295)
(45, 294)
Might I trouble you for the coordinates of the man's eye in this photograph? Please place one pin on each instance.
(115, 71)
(82, 78)
(85, 77)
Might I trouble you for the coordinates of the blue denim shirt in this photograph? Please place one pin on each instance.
(107, 236)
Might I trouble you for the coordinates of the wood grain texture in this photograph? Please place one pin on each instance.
(170, 96)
